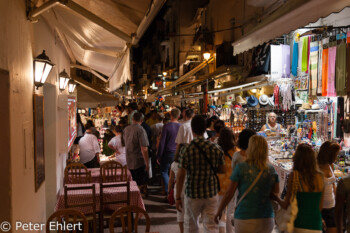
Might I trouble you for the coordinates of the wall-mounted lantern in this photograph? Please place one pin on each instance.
(64, 79)
(42, 69)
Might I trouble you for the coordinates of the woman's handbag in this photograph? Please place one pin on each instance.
(285, 217)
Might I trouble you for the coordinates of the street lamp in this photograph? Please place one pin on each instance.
(42, 68)
(206, 55)
(64, 78)
(71, 86)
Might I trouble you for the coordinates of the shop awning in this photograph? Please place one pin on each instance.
(186, 76)
(90, 99)
(293, 15)
(98, 34)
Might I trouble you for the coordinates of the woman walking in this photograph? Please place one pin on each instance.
(226, 141)
(326, 157)
(255, 180)
(310, 192)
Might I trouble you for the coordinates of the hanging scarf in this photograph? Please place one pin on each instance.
(304, 55)
(295, 59)
(276, 95)
(286, 93)
(313, 68)
(332, 51)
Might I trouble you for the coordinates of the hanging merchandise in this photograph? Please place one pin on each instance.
(325, 66)
(304, 54)
(331, 71)
(252, 101)
(348, 63)
(295, 59)
(313, 68)
(285, 91)
(276, 95)
(319, 69)
(341, 69)
(280, 61)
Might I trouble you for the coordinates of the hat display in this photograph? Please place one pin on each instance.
(240, 100)
(299, 102)
(252, 101)
(315, 106)
(272, 101)
(263, 100)
(305, 106)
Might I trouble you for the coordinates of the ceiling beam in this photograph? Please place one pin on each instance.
(87, 84)
(95, 19)
(89, 70)
(81, 11)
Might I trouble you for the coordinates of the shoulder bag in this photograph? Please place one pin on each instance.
(285, 217)
(250, 188)
(209, 162)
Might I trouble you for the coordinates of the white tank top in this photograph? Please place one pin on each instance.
(329, 199)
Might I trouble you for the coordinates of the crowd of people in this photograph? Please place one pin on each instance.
(221, 177)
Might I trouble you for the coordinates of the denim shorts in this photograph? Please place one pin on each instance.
(328, 217)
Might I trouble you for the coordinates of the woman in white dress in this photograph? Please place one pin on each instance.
(117, 144)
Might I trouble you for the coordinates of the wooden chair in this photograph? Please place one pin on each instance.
(105, 202)
(129, 211)
(77, 173)
(112, 171)
(66, 216)
(86, 202)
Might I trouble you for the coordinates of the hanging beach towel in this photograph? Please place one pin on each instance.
(319, 69)
(340, 69)
(295, 59)
(324, 71)
(304, 55)
(313, 68)
(332, 51)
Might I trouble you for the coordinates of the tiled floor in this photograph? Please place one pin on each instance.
(162, 215)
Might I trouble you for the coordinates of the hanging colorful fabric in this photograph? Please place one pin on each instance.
(295, 59)
(324, 71)
(340, 69)
(304, 55)
(348, 68)
(308, 54)
(319, 69)
(276, 95)
(313, 68)
(332, 51)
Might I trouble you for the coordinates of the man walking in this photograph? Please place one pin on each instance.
(136, 147)
(201, 160)
(167, 146)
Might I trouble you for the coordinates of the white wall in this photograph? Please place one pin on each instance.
(20, 41)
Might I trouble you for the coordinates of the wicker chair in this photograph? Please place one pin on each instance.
(105, 203)
(128, 211)
(88, 203)
(112, 171)
(77, 173)
(64, 217)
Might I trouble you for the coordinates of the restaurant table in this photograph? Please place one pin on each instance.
(115, 193)
(96, 175)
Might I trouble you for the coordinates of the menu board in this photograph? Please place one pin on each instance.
(72, 120)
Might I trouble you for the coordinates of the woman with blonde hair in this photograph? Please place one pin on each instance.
(255, 180)
(309, 179)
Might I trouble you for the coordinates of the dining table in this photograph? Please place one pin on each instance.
(96, 175)
(113, 193)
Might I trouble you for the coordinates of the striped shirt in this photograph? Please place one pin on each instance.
(200, 178)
